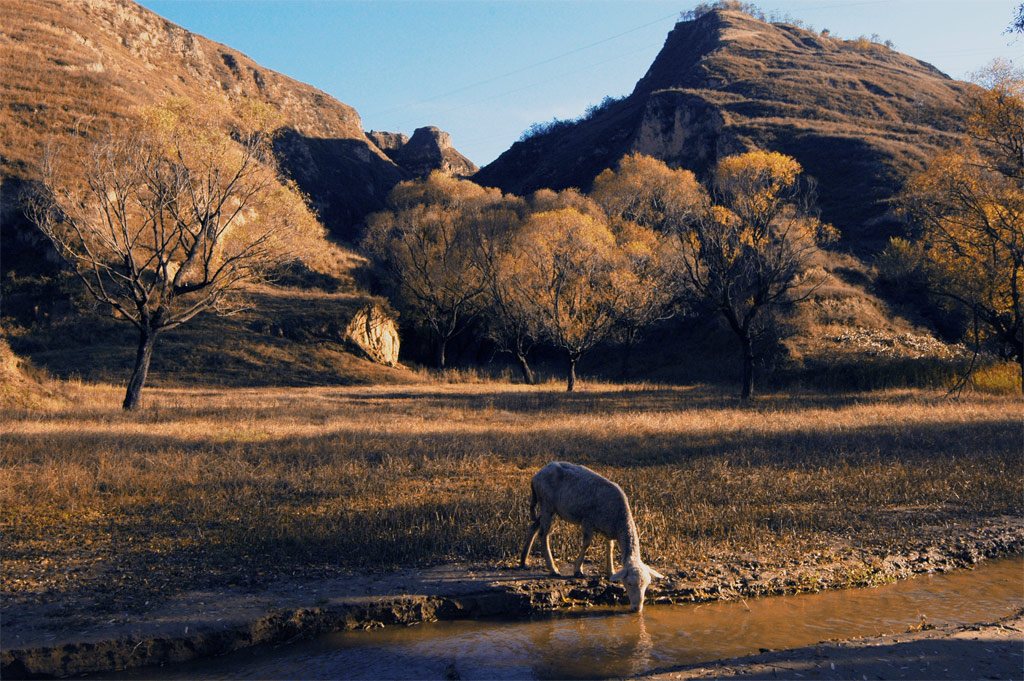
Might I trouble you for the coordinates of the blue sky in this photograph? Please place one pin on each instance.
(486, 70)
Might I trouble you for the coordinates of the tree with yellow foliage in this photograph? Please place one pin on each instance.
(746, 249)
(508, 314)
(968, 209)
(566, 262)
(427, 241)
(173, 214)
(645, 191)
(647, 202)
(647, 283)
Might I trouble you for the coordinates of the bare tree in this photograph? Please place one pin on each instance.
(426, 240)
(511, 323)
(1017, 25)
(745, 252)
(171, 214)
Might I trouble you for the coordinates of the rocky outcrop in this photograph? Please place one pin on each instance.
(69, 61)
(858, 116)
(388, 141)
(362, 323)
(375, 333)
(428, 149)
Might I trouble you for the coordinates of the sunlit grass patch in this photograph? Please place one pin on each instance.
(216, 486)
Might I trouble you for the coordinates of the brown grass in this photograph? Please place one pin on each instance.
(209, 487)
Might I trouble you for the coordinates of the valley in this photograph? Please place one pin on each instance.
(774, 292)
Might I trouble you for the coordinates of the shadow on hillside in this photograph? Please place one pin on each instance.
(344, 180)
(209, 352)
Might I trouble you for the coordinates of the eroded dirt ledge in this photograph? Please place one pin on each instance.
(50, 641)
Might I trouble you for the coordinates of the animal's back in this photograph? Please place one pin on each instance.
(580, 495)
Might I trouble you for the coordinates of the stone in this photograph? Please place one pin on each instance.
(375, 333)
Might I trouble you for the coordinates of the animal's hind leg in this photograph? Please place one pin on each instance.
(588, 536)
(531, 534)
(545, 528)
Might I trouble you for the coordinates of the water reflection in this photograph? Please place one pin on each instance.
(611, 643)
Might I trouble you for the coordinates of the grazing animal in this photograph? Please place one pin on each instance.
(580, 496)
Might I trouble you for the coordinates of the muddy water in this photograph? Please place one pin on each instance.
(613, 643)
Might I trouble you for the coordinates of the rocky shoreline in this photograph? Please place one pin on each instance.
(47, 641)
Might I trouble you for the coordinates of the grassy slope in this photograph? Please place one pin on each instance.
(216, 486)
(21, 386)
(287, 337)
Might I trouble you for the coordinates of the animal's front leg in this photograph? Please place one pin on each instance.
(609, 558)
(588, 536)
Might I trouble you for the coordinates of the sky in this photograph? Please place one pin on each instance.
(485, 70)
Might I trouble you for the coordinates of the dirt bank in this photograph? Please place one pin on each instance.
(976, 651)
(54, 638)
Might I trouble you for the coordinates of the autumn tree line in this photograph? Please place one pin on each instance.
(179, 209)
(570, 271)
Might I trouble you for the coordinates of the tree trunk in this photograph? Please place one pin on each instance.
(748, 368)
(1020, 363)
(524, 367)
(571, 382)
(442, 344)
(627, 354)
(147, 339)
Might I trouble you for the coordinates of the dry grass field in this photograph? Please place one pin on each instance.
(213, 487)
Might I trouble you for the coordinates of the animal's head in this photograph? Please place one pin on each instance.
(636, 578)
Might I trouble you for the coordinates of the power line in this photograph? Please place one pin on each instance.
(534, 84)
(524, 68)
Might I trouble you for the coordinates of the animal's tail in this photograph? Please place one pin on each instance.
(533, 502)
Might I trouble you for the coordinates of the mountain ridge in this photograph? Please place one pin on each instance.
(72, 66)
(859, 117)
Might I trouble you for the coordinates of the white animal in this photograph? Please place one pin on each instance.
(580, 496)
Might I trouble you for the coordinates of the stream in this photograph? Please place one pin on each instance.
(611, 642)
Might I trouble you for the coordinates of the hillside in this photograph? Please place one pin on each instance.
(857, 115)
(71, 65)
(69, 68)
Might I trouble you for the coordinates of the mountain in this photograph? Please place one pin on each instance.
(71, 65)
(429, 149)
(858, 116)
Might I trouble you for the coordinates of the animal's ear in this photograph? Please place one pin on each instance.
(619, 576)
(654, 573)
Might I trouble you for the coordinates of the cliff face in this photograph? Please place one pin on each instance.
(388, 141)
(70, 65)
(858, 116)
(429, 149)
